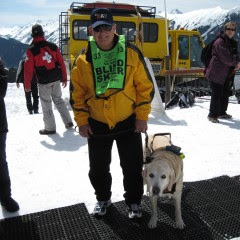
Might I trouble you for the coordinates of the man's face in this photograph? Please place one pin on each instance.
(103, 35)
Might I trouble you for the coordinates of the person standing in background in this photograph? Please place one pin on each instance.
(45, 59)
(32, 97)
(225, 59)
(5, 183)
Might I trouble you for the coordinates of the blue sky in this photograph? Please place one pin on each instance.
(21, 12)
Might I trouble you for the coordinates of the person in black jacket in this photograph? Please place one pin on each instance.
(5, 184)
(32, 98)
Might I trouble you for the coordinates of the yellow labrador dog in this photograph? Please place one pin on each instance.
(163, 174)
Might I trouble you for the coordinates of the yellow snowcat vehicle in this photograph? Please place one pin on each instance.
(141, 26)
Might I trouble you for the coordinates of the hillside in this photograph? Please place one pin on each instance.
(23, 34)
(11, 51)
(208, 21)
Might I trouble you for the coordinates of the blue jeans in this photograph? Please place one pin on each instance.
(5, 183)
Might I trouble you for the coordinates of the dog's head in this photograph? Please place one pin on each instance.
(158, 176)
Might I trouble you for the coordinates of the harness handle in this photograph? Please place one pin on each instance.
(148, 157)
(157, 134)
(163, 134)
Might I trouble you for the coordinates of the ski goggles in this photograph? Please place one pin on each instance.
(101, 28)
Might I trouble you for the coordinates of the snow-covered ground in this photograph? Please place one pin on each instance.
(52, 171)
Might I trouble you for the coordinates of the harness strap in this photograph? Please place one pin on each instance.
(146, 139)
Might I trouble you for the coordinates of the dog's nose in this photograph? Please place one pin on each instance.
(156, 190)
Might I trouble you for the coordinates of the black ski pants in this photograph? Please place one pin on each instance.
(219, 98)
(32, 98)
(5, 183)
(129, 145)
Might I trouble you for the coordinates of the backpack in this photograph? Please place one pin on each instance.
(206, 54)
(20, 72)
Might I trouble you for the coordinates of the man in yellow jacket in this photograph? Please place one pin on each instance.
(111, 100)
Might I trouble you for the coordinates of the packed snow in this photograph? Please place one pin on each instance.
(52, 171)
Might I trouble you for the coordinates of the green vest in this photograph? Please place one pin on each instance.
(109, 67)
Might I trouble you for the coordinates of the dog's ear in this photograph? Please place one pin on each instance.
(171, 180)
(144, 174)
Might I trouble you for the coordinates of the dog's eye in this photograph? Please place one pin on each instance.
(151, 175)
(163, 176)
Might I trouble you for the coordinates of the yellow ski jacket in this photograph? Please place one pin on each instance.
(135, 98)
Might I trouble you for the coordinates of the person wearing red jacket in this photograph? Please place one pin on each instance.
(45, 59)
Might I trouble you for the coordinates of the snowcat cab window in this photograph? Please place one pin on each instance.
(195, 51)
(80, 30)
(127, 29)
(150, 31)
(170, 45)
(183, 46)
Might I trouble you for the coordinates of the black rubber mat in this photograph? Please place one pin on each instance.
(210, 209)
(67, 223)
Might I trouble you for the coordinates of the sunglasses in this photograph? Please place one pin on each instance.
(101, 28)
(231, 29)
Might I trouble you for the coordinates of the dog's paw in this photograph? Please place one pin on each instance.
(153, 222)
(180, 224)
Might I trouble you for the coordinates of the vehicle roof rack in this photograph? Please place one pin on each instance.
(116, 8)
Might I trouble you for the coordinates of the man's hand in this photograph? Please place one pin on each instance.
(141, 126)
(64, 84)
(85, 131)
(18, 85)
(27, 89)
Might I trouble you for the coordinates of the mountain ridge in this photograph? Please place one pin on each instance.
(208, 21)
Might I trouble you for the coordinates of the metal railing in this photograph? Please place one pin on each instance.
(64, 33)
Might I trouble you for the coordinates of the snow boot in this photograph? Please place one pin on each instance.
(10, 204)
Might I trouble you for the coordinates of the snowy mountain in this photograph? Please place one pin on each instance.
(208, 21)
(175, 11)
(23, 34)
(21, 37)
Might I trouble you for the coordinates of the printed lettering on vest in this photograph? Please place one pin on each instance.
(109, 67)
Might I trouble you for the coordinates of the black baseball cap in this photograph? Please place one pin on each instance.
(37, 30)
(101, 16)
